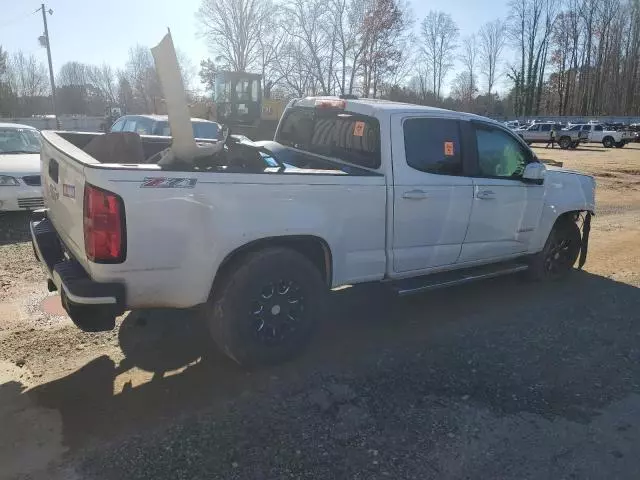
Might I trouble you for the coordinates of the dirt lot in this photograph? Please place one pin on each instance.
(502, 379)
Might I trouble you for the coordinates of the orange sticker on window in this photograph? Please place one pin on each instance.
(358, 129)
(448, 149)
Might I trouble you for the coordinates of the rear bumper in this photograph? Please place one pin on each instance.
(69, 277)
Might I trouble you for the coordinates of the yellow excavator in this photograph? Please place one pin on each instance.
(240, 105)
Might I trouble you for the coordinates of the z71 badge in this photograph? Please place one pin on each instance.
(168, 182)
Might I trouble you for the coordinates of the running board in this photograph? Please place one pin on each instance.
(412, 286)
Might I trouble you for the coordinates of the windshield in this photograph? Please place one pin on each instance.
(19, 140)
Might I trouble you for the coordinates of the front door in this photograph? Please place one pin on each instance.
(505, 211)
(431, 196)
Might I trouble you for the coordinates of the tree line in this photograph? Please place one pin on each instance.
(82, 88)
(542, 57)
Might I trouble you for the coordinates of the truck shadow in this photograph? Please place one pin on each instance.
(188, 374)
(14, 227)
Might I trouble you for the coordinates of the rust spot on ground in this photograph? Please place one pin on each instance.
(52, 306)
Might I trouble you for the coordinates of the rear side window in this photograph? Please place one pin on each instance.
(130, 125)
(343, 135)
(433, 145)
(598, 128)
(545, 128)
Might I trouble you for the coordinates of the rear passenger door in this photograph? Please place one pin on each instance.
(431, 195)
(545, 132)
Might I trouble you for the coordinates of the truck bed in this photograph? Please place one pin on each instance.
(178, 219)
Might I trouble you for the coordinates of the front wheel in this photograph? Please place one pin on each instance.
(620, 144)
(560, 252)
(265, 309)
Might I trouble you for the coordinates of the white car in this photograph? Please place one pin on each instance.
(19, 168)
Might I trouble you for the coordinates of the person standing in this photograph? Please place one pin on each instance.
(552, 138)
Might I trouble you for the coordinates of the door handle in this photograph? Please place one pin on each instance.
(415, 195)
(486, 195)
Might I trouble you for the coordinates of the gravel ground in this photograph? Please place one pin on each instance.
(502, 380)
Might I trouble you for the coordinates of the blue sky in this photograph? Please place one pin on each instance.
(92, 31)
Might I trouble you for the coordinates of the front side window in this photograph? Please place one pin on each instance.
(432, 145)
(534, 128)
(500, 155)
(598, 128)
(349, 137)
(545, 128)
(117, 127)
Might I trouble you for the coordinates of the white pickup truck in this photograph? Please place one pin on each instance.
(598, 133)
(349, 191)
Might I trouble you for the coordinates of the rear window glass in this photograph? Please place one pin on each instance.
(200, 129)
(205, 130)
(347, 136)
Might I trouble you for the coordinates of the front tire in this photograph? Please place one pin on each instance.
(559, 254)
(607, 142)
(265, 309)
(620, 144)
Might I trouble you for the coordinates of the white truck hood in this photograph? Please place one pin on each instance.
(15, 164)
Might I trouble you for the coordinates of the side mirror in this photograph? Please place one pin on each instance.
(534, 173)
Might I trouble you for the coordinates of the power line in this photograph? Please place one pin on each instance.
(18, 18)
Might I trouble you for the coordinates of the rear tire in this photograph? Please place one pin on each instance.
(607, 142)
(265, 309)
(559, 254)
(574, 145)
(565, 142)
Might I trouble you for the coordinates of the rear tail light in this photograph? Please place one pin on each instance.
(104, 227)
(330, 103)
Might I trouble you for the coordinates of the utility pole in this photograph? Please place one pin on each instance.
(47, 43)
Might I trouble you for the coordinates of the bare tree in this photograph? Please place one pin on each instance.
(270, 46)
(27, 75)
(531, 27)
(234, 28)
(462, 89)
(439, 34)
(103, 79)
(386, 45)
(73, 73)
(492, 42)
(3, 61)
(309, 20)
(142, 77)
(469, 58)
